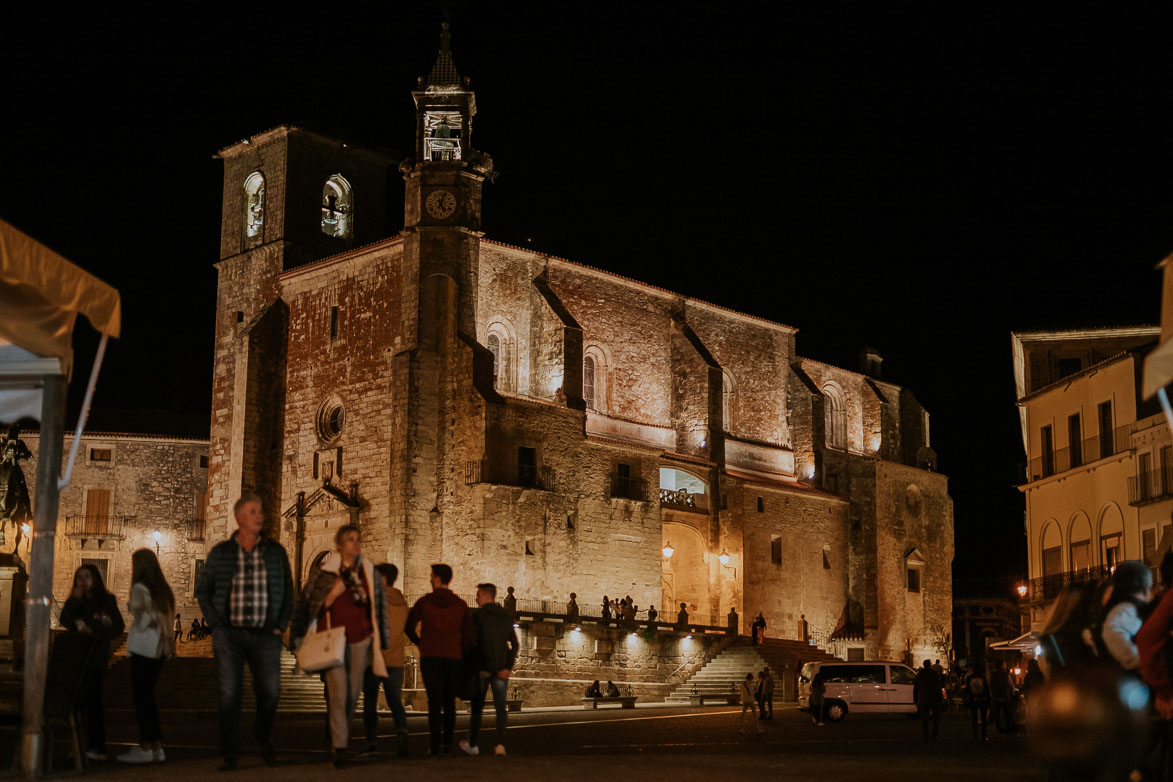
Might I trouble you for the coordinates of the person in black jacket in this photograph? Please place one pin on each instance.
(926, 694)
(93, 611)
(496, 643)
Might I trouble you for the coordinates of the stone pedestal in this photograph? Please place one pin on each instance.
(13, 589)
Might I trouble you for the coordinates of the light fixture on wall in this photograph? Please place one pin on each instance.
(668, 551)
(156, 536)
(724, 557)
(1022, 590)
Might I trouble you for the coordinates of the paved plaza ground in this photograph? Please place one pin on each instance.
(648, 743)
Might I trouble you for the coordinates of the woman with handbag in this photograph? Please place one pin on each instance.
(149, 643)
(342, 593)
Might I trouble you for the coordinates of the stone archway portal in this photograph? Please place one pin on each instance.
(685, 575)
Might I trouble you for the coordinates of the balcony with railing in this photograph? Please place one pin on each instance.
(628, 488)
(1047, 588)
(1083, 452)
(100, 527)
(683, 499)
(196, 529)
(1151, 486)
(527, 476)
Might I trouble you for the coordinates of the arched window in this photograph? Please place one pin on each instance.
(728, 401)
(834, 417)
(588, 382)
(495, 349)
(337, 207)
(254, 204)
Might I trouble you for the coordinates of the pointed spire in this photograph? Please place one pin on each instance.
(444, 76)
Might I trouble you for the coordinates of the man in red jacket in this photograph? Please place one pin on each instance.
(445, 631)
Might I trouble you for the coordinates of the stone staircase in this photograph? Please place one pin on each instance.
(724, 673)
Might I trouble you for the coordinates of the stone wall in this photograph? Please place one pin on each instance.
(155, 484)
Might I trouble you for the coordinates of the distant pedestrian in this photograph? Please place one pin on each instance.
(393, 659)
(977, 699)
(149, 645)
(1132, 587)
(940, 669)
(748, 704)
(767, 704)
(804, 629)
(682, 617)
(926, 694)
(194, 634)
(246, 593)
(177, 628)
(444, 632)
(572, 609)
(652, 612)
(342, 590)
(205, 631)
(732, 622)
(759, 628)
(818, 690)
(606, 610)
(612, 690)
(594, 690)
(91, 610)
(1001, 692)
(510, 604)
(496, 645)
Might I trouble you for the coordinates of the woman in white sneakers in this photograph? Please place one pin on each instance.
(149, 643)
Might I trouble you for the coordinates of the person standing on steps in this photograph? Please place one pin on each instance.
(496, 645)
(393, 658)
(246, 594)
(682, 617)
(759, 629)
(177, 628)
(444, 632)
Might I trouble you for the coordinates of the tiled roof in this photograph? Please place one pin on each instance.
(444, 74)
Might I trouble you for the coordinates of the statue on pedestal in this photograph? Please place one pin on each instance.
(15, 505)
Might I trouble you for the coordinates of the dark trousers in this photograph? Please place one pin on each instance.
(930, 713)
(1003, 715)
(393, 688)
(500, 689)
(144, 673)
(261, 649)
(979, 710)
(766, 707)
(96, 709)
(441, 680)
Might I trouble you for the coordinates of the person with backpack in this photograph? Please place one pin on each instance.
(149, 645)
(1132, 587)
(977, 698)
(1001, 698)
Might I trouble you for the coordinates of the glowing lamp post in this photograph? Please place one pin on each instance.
(668, 551)
(1022, 590)
(156, 536)
(723, 557)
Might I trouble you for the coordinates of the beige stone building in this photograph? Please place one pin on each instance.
(547, 425)
(124, 489)
(1098, 482)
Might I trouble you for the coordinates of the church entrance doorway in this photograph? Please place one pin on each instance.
(685, 575)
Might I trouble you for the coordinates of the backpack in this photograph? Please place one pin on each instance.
(978, 689)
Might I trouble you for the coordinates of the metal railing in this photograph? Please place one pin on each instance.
(628, 488)
(680, 498)
(196, 529)
(104, 526)
(531, 608)
(524, 475)
(1084, 452)
(1150, 486)
(1047, 588)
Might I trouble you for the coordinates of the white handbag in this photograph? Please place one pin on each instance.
(321, 651)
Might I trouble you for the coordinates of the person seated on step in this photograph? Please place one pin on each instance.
(612, 690)
(594, 691)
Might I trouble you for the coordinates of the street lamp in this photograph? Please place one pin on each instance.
(1022, 590)
(723, 557)
(668, 551)
(156, 536)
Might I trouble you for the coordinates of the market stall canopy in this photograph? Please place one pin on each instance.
(1027, 642)
(41, 295)
(1158, 366)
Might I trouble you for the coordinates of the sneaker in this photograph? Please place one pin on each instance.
(820, 724)
(160, 756)
(95, 755)
(339, 758)
(469, 749)
(499, 750)
(136, 755)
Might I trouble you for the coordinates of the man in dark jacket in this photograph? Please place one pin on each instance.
(445, 631)
(246, 594)
(496, 645)
(926, 694)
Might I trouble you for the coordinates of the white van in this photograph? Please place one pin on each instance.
(860, 688)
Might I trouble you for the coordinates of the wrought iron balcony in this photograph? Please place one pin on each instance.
(524, 475)
(196, 529)
(1084, 452)
(628, 488)
(1151, 486)
(104, 527)
(678, 498)
(1047, 588)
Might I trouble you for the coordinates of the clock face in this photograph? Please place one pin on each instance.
(440, 204)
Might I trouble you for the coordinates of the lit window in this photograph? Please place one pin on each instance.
(101, 454)
(588, 382)
(834, 417)
(442, 130)
(254, 204)
(495, 349)
(337, 207)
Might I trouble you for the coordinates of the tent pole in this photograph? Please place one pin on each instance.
(36, 660)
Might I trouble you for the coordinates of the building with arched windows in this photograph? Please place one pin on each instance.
(543, 424)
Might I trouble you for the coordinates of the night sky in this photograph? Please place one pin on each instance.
(922, 181)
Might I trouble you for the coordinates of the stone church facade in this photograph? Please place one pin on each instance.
(547, 425)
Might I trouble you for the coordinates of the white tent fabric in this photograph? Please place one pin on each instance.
(1158, 366)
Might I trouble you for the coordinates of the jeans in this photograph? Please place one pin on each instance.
(500, 693)
(976, 710)
(144, 674)
(930, 713)
(343, 685)
(95, 709)
(393, 688)
(1003, 716)
(441, 680)
(261, 649)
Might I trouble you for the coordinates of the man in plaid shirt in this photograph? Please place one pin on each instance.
(246, 594)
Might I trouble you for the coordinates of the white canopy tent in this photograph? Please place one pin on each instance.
(41, 295)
